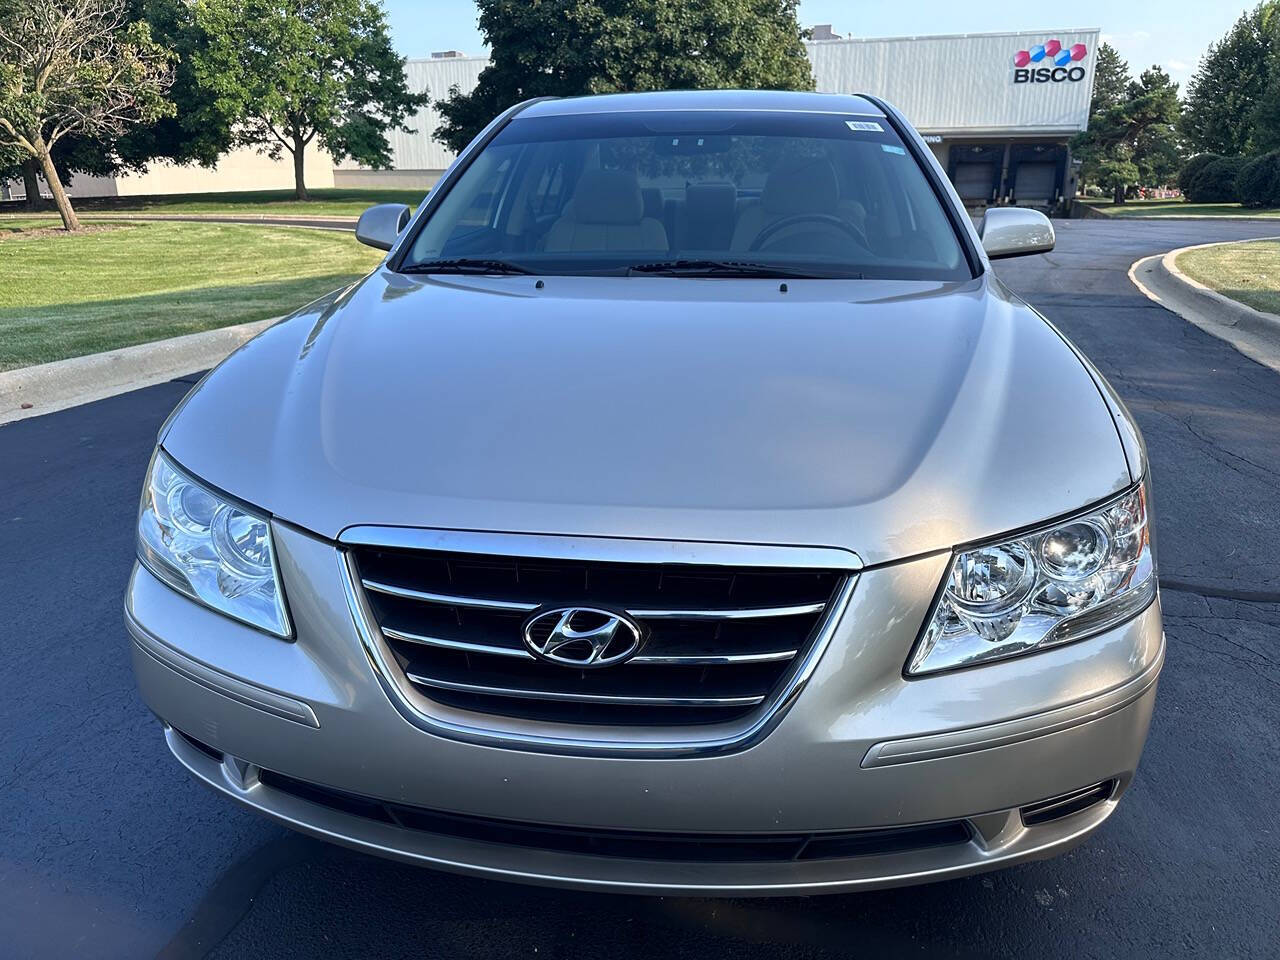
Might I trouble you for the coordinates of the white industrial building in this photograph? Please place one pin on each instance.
(998, 110)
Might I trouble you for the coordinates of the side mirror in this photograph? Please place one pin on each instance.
(380, 225)
(1015, 232)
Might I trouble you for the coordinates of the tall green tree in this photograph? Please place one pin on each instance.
(1153, 105)
(1220, 114)
(574, 47)
(74, 68)
(1134, 140)
(1111, 79)
(199, 129)
(194, 131)
(1266, 112)
(290, 72)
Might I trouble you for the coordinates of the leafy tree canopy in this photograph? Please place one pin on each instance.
(1133, 140)
(292, 71)
(1232, 78)
(575, 47)
(1111, 80)
(74, 69)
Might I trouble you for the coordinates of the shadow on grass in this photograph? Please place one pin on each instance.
(43, 334)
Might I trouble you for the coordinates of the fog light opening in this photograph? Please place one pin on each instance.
(211, 752)
(1066, 804)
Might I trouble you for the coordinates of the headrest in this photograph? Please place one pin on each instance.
(710, 200)
(608, 196)
(806, 185)
(652, 202)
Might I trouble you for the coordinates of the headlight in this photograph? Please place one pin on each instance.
(213, 550)
(1049, 587)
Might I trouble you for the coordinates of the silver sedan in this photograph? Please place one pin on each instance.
(682, 505)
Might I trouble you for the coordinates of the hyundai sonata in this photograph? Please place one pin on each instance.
(682, 505)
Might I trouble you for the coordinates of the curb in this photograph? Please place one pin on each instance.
(49, 387)
(1254, 333)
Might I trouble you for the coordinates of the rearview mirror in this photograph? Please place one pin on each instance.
(380, 225)
(1015, 232)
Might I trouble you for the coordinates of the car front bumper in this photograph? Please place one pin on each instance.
(861, 749)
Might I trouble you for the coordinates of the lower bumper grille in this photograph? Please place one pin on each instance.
(1055, 808)
(714, 642)
(633, 845)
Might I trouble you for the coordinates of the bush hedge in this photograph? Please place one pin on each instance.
(1258, 184)
(1193, 167)
(1216, 181)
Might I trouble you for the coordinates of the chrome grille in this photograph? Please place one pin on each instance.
(720, 640)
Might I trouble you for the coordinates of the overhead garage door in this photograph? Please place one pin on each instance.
(1035, 184)
(973, 181)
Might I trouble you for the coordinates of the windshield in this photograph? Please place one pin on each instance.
(693, 193)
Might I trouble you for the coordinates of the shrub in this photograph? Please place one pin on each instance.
(1216, 181)
(1193, 167)
(1258, 184)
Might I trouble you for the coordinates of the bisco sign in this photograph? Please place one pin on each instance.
(1060, 64)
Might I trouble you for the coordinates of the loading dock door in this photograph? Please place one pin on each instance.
(974, 181)
(1035, 184)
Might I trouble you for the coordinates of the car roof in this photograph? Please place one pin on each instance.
(761, 100)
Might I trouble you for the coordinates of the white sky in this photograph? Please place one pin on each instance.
(1172, 33)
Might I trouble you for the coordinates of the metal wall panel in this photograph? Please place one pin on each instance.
(420, 150)
(961, 84)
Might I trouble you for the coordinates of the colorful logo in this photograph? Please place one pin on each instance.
(1054, 51)
(1044, 54)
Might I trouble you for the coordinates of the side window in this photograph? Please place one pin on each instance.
(483, 207)
(548, 195)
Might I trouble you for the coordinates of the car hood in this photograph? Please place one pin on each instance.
(889, 418)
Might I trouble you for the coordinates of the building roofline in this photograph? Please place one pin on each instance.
(470, 57)
(953, 36)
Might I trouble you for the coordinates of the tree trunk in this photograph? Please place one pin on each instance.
(31, 180)
(1118, 195)
(299, 182)
(69, 219)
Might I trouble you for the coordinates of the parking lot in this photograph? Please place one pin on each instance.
(108, 849)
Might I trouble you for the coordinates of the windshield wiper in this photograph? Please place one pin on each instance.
(465, 265)
(718, 268)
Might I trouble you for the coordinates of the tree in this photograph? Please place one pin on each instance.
(1111, 80)
(74, 68)
(574, 47)
(72, 155)
(1133, 140)
(1266, 112)
(1234, 74)
(199, 129)
(1154, 108)
(293, 71)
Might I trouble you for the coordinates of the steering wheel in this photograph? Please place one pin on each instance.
(826, 219)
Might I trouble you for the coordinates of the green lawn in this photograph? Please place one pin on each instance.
(1248, 272)
(324, 202)
(1177, 208)
(65, 295)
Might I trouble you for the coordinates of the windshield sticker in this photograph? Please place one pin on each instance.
(890, 148)
(868, 126)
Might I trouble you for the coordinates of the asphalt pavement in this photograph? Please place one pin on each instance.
(107, 849)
